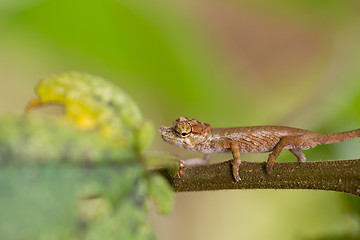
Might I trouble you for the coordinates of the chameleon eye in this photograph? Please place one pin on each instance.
(183, 128)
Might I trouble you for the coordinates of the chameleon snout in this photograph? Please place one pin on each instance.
(162, 129)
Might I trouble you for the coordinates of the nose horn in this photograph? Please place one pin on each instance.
(162, 128)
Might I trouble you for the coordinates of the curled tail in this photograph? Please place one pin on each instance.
(328, 138)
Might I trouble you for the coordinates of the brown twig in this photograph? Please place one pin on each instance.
(340, 176)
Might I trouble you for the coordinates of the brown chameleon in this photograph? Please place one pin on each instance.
(198, 136)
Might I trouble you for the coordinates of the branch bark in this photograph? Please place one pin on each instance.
(339, 176)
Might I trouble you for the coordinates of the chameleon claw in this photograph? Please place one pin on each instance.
(181, 170)
(235, 170)
(269, 168)
(237, 178)
(33, 104)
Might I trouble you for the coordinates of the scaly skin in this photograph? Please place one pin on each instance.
(197, 136)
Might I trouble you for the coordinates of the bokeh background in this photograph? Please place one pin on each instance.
(226, 62)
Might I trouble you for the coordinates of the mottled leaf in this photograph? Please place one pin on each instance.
(78, 176)
(160, 190)
(93, 103)
(41, 140)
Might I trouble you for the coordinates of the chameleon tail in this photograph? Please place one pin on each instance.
(329, 138)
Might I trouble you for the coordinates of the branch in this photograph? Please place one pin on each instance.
(339, 176)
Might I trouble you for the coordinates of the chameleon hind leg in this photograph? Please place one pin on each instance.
(289, 142)
(299, 155)
(283, 143)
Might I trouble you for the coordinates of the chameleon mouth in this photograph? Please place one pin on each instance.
(166, 133)
(167, 138)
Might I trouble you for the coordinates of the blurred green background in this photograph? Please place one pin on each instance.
(228, 63)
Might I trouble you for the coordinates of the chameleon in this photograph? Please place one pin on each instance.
(198, 136)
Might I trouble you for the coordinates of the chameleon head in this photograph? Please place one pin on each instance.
(185, 133)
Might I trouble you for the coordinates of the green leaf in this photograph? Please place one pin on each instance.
(78, 176)
(160, 190)
(45, 195)
(95, 104)
(45, 202)
(145, 136)
(25, 139)
(168, 162)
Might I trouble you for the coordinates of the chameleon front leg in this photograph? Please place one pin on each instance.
(197, 161)
(236, 160)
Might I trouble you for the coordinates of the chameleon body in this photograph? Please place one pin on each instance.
(198, 136)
